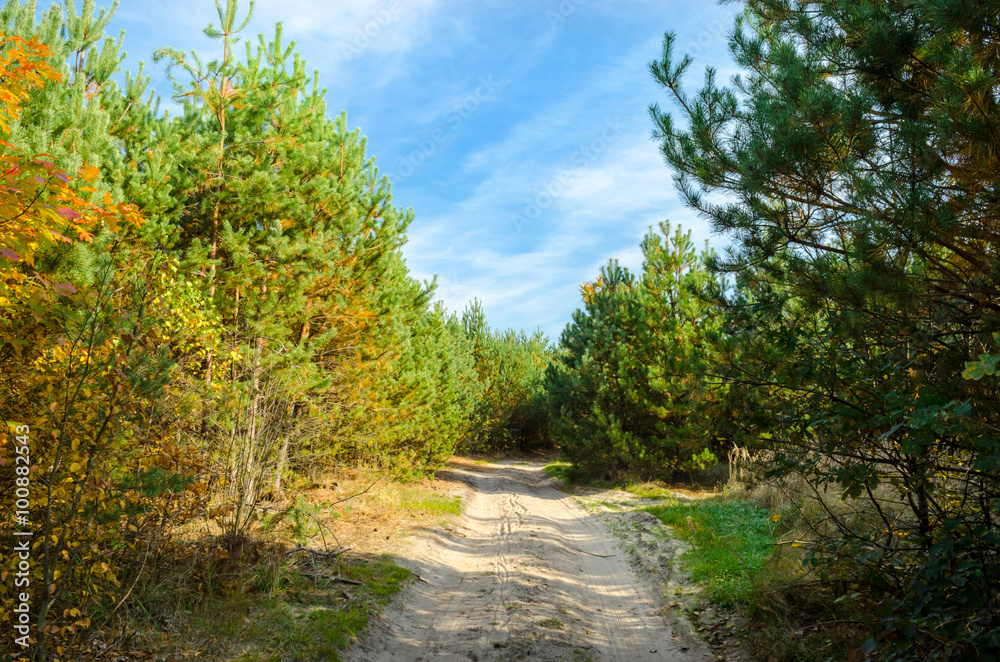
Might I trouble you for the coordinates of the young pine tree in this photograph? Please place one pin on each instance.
(626, 389)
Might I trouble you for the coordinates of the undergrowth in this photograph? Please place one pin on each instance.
(561, 470)
(256, 599)
(266, 608)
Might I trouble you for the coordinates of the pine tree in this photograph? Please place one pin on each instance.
(627, 390)
(858, 158)
(286, 217)
(512, 411)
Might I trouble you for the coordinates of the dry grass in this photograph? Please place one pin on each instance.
(808, 511)
(248, 599)
(793, 613)
(361, 509)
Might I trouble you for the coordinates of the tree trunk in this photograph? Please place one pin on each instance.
(280, 469)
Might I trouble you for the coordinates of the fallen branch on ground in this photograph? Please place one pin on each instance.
(320, 552)
(332, 578)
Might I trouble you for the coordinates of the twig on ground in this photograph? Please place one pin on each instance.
(332, 578)
(320, 552)
(356, 494)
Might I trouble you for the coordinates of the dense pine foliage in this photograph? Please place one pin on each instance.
(625, 388)
(512, 411)
(853, 165)
(848, 336)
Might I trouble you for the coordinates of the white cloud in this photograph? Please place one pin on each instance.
(352, 29)
(334, 36)
(570, 186)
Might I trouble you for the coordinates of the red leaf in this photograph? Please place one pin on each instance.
(65, 289)
(9, 254)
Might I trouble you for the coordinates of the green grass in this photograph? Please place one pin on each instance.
(311, 621)
(437, 504)
(311, 624)
(730, 542)
(559, 469)
(649, 491)
(283, 616)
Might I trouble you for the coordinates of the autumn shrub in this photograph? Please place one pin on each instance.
(108, 481)
(82, 366)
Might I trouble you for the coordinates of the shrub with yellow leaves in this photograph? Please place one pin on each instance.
(81, 370)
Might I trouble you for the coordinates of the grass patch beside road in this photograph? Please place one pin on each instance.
(315, 620)
(744, 553)
(276, 609)
(731, 539)
(561, 470)
(435, 504)
(730, 542)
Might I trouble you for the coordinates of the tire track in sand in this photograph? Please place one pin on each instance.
(527, 575)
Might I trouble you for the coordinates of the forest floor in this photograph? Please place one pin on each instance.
(531, 572)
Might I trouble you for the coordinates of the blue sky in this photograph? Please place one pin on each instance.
(517, 130)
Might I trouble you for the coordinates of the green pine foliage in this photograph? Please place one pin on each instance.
(284, 245)
(853, 165)
(628, 390)
(273, 329)
(277, 314)
(433, 391)
(290, 221)
(512, 411)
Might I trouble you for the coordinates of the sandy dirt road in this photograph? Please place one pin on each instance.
(527, 574)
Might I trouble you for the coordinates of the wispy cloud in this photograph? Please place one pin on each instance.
(565, 189)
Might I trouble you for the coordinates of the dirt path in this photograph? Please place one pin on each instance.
(526, 575)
